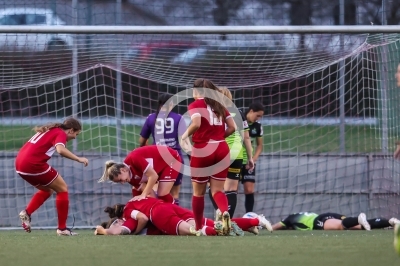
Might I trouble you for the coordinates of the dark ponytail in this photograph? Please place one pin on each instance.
(116, 211)
(162, 99)
(69, 123)
(212, 97)
(256, 107)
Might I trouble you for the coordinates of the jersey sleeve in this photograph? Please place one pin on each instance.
(146, 129)
(227, 114)
(193, 110)
(60, 139)
(137, 162)
(245, 124)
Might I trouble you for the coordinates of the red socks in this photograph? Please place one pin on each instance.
(62, 204)
(208, 222)
(37, 200)
(245, 223)
(208, 231)
(198, 211)
(221, 201)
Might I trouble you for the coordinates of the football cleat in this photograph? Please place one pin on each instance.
(195, 232)
(393, 221)
(25, 220)
(226, 222)
(219, 228)
(236, 229)
(218, 216)
(65, 232)
(264, 223)
(362, 220)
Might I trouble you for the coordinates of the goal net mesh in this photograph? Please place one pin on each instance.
(330, 122)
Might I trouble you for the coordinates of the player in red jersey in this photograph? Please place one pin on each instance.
(31, 165)
(144, 167)
(168, 218)
(211, 124)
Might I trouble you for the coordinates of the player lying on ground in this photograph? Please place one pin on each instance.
(332, 221)
(31, 164)
(170, 219)
(144, 167)
(209, 228)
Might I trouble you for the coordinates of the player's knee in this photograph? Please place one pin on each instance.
(175, 191)
(248, 190)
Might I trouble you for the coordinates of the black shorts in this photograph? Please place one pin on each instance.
(322, 218)
(235, 169)
(247, 175)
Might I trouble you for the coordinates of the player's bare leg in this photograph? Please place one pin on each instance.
(333, 224)
(163, 191)
(175, 193)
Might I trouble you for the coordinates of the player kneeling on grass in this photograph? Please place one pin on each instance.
(143, 168)
(31, 164)
(332, 221)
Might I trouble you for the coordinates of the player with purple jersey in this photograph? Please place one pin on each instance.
(165, 127)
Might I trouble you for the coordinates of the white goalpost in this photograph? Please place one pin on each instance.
(330, 95)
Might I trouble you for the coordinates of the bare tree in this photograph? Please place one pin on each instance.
(300, 14)
(350, 13)
(224, 11)
(372, 12)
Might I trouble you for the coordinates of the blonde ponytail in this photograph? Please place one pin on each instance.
(112, 169)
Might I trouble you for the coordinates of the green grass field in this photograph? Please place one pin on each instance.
(312, 248)
(314, 139)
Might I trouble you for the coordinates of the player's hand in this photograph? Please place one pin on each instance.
(250, 165)
(138, 198)
(186, 145)
(100, 230)
(83, 160)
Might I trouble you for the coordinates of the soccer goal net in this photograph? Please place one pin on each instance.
(330, 122)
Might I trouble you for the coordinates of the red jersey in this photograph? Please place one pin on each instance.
(33, 156)
(144, 206)
(139, 160)
(212, 128)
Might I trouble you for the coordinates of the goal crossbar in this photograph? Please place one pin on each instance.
(199, 29)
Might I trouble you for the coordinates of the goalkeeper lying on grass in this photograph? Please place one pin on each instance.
(332, 221)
